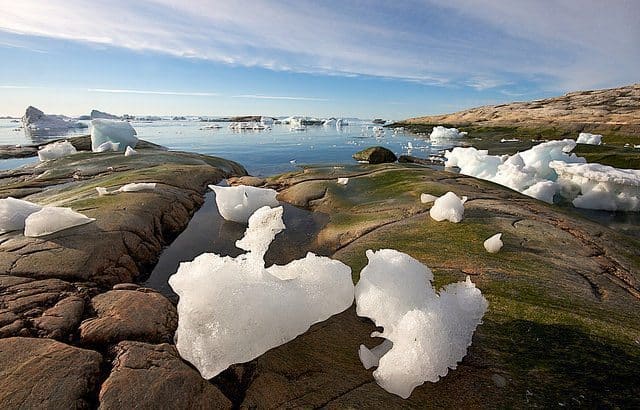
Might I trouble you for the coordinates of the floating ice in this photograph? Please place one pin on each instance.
(13, 213)
(232, 310)
(448, 207)
(120, 132)
(108, 146)
(426, 198)
(591, 139)
(37, 123)
(129, 151)
(52, 219)
(343, 181)
(427, 333)
(494, 243)
(237, 203)
(56, 150)
(132, 187)
(442, 133)
(521, 171)
(597, 186)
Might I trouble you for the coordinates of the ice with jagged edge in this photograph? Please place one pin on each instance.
(56, 150)
(132, 187)
(13, 213)
(238, 203)
(232, 310)
(588, 138)
(116, 132)
(597, 186)
(427, 333)
(494, 243)
(527, 172)
(439, 133)
(448, 207)
(51, 219)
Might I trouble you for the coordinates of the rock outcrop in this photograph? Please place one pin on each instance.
(375, 155)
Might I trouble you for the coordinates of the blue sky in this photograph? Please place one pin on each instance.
(342, 58)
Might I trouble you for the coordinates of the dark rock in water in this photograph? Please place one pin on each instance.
(375, 155)
(379, 121)
(43, 373)
(129, 315)
(246, 118)
(95, 114)
(154, 376)
(410, 159)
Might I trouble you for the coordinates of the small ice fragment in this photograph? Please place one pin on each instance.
(509, 140)
(138, 186)
(343, 181)
(429, 332)
(588, 138)
(107, 146)
(441, 133)
(56, 150)
(293, 161)
(13, 213)
(447, 207)
(52, 219)
(237, 203)
(129, 151)
(493, 244)
(426, 198)
(103, 191)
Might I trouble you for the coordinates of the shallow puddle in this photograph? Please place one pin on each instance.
(209, 232)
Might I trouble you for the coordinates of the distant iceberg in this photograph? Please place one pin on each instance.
(38, 124)
(95, 114)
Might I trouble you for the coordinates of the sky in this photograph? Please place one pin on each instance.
(375, 58)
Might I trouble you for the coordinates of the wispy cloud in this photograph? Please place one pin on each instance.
(117, 91)
(16, 87)
(279, 97)
(482, 45)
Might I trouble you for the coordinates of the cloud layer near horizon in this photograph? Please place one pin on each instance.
(556, 45)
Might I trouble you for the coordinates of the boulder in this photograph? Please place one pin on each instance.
(43, 373)
(375, 155)
(129, 315)
(151, 376)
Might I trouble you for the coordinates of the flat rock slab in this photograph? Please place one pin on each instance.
(130, 315)
(148, 376)
(43, 373)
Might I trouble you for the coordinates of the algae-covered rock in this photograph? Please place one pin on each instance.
(375, 155)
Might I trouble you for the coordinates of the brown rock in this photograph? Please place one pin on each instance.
(247, 180)
(375, 155)
(130, 315)
(43, 373)
(150, 376)
(61, 319)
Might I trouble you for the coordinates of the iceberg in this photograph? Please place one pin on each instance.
(95, 114)
(13, 213)
(448, 207)
(427, 333)
(588, 138)
(37, 123)
(117, 132)
(440, 133)
(56, 150)
(232, 310)
(237, 203)
(51, 219)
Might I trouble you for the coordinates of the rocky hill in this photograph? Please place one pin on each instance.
(614, 109)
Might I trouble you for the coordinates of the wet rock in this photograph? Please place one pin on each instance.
(61, 319)
(43, 373)
(375, 155)
(153, 376)
(129, 315)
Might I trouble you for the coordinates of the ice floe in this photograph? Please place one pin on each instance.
(237, 203)
(427, 333)
(117, 132)
(51, 219)
(56, 150)
(442, 133)
(13, 213)
(587, 138)
(37, 123)
(494, 243)
(232, 310)
(448, 207)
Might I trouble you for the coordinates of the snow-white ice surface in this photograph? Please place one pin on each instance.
(232, 310)
(426, 198)
(343, 181)
(494, 243)
(520, 171)
(597, 186)
(121, 132)
(52, 219)
(132, 187)
(129, 151)
(13, 213)
(108, 146)
(56, 150)
(587, 138)
(37, 122)
(442, 133)
(237, 203)
(429, 332)
(448, 207)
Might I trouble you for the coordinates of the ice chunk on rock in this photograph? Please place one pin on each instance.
(108, 146)
(13, 213)
(442, 133)
(429, 333)
(494, 243)
(587, 138)
(426, 198)
(52, 219)
(343, 181)
(56, 150)
(119, 132)
(448, 207)
(129, 151)
(237, 203)
(132, 187)
(232, 310)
